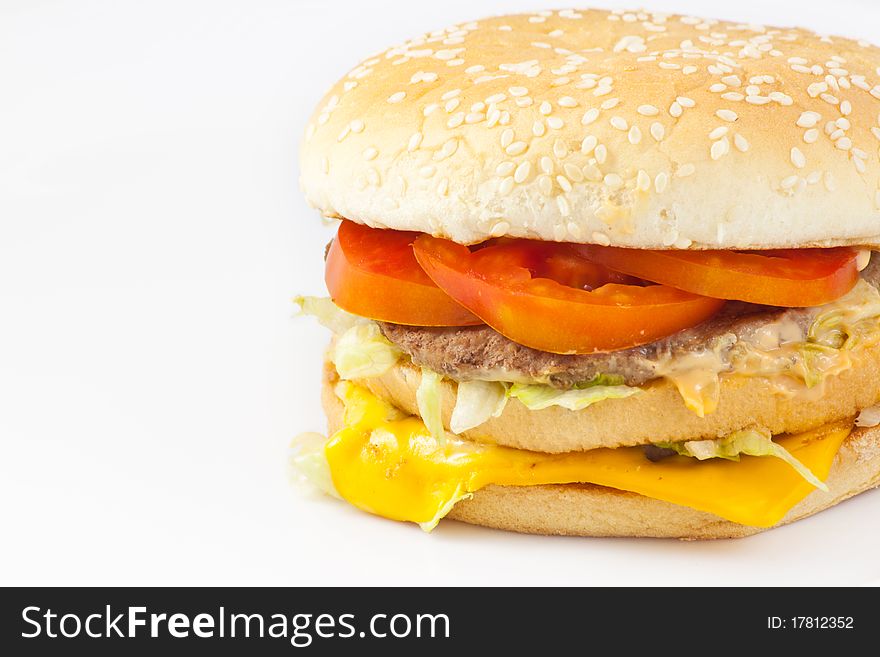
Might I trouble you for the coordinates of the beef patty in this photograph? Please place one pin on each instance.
(480, 352)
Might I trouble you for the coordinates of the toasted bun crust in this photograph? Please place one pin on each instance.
(658, 414)
(639, 130)
(590, 510)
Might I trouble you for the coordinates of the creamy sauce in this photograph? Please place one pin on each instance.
(797, 364)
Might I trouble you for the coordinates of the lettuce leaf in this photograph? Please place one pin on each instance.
(752, 442)
(476, 402)
(310, 463)
(429, 401)
(869, 417)
(537, 397)
(328, 313)
(362, 351)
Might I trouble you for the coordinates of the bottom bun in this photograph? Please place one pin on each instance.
(590, 510)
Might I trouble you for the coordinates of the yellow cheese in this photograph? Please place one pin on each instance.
(388, 464)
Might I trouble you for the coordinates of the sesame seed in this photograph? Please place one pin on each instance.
(797, 158)
(685, 170)
(829, 98)
(618, 122)
(427, 171)
(808, 119)
(789, 182)
(817, 88)
(830, 183)
(564, 183)
(811, 136)
(523, 171)
(495, 99)
(684, 101)
(429, 109)
(589, 143)
(844, 143)
(610, 103)
(455, 120)
(719, 132)
(564, 208)
(538, 128)
(567, 101)
(506, 186)
(675, 109)
(661, 180)
(545, 108)
(732, 95)
(657, 131)
(727, 115)
(397, 97)
(323, 118)
(601, 153)
(643, 181)
(718, 88)
(837, 134)
(687, 70)
(518, 91)
(560, 150)
(601, 239)
(781, 98)
(634, 135)
(555, 122)
(757, 100)
(370, 153)
(843, 123)
(859, 164)
(499, 229)
(589, 116)
(814, 177)
(732, 80)
(573, 172)
(648, 110)
(414, 141)
(592, 172)
(452, 105)
(507, 137)
(845, 108)
(720, 148)
(545, 185)
(546, 164)
(613, 181)
(344, 133)
(516, 148)
(505, 169)
(876, 132)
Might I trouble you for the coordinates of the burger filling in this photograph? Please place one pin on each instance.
(545, 324)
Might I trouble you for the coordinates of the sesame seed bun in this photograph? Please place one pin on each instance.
(590, 510)
(657, 414)
(638, 130)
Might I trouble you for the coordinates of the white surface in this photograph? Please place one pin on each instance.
(151, 374)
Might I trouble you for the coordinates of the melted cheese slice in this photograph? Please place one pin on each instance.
(388, 464)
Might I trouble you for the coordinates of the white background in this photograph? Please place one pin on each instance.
(151, 372)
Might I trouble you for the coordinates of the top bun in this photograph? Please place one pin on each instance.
(635, 129)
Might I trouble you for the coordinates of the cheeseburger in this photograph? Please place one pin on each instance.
(600, 274)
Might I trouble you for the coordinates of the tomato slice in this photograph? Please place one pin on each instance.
(790, 278)
(546, 296)
(373, 273)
